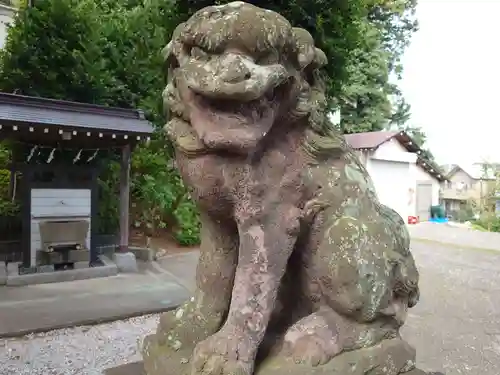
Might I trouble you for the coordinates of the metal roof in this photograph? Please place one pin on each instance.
(372, 140)
(42, 111)
(369, 140)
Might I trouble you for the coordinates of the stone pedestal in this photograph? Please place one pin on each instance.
(126, 262)
(3, 273)
(136, 368)
(390, 357)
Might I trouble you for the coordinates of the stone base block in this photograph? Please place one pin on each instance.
(60, 276)
(46, 268)
(136, 368)
(390, 357)
(13, 268)
(126, 262)
(55, 257)
(3, 273)
(143, 253)
(80, 265)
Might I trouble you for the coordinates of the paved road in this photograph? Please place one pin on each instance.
(455, 235)
(49, 306)
(456, 325)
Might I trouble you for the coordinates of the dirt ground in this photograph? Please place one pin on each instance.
(163, 244)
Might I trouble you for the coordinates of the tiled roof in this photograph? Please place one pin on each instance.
(372, 140)
(369, 140)
(42, 111)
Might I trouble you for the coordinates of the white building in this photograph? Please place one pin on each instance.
(6, 16)
(403, 180)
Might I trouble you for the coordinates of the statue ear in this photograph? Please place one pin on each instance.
(306, 55)
(320, 59)
(166, 52)
(169, 59)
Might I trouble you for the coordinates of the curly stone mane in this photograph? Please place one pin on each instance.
(296, 52)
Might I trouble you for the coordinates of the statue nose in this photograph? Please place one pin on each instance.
(234, 70)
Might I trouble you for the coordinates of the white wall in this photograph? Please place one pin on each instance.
(393, 150)
(404, 180)
(422, 175)
(392, 183)
(6, 15)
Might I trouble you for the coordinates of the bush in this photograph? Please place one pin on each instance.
(8, 208)
(4, 184)
(188, 223)
(489, 222)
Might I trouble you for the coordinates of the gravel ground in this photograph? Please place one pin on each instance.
(76, 351)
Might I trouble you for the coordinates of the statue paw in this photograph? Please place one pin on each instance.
(187, 325)
(224, 353)
(312, 350)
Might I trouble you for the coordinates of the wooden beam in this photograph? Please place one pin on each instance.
(12, 184)
(124, 197)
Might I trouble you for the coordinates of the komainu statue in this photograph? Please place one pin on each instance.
(301, 268)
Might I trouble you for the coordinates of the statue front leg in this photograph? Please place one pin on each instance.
(204, 313)
(266, 243)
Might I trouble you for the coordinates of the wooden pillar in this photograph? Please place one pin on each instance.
(26, 215)
(12, 184)
(94, 209)
(124, 198)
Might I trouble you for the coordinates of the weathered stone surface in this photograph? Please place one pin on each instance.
(126, 262)
(80, 265)
(135, 368)
(300, 264)
(45, 268)
(3, 273)
(13, 268)
(55, 257)
(61, 276)
(390, 357)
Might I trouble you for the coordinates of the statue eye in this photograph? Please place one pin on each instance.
(198, 53)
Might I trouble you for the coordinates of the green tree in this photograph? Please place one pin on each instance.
(51, 51)
(366, 98)
(133, 35)
(108, 53)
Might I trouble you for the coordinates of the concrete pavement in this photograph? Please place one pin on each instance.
(459, 236)
(38, 308)
(455, 327)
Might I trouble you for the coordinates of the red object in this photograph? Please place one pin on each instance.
(412, 220)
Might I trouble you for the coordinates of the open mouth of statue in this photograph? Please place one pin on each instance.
(252, 110)
(234, 124)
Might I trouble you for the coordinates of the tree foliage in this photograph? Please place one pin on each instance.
(51, 51)
(108, 52)
(368, 95)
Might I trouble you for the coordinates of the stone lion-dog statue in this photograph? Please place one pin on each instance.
(301, 268)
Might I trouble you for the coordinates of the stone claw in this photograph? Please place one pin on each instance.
(222, 354)
(309, 350)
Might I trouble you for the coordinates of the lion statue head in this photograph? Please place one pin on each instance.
(235, 73)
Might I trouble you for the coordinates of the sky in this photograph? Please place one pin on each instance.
(452, 79)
